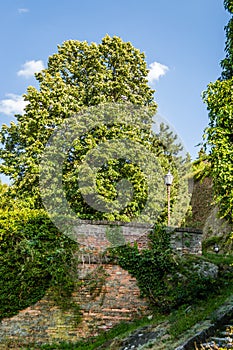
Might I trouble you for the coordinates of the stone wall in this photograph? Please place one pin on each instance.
(187, 240)
(205, 215)
(107, 294)
(201, 202)
(94, 236)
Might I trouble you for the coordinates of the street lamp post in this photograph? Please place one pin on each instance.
(168, 178)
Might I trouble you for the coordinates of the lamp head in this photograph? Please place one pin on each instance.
(168, 178)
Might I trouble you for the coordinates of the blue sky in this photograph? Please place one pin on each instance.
(183, 41)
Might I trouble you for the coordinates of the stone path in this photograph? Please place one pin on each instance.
(222, 338)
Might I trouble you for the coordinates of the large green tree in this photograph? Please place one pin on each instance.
(79, 75)
(105, 82)
(78, 78)
(219, 133)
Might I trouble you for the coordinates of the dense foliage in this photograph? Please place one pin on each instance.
(165, 279)
(227, 62)
(81, 76)
(219, 133)
(219, 99)
(33, 257)
(78, 76)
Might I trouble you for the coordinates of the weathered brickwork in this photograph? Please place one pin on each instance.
(93, 235)
(107, 295)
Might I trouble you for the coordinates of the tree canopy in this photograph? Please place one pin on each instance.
(227, 62)
(219, 133)
(79, 79)
(78, 76)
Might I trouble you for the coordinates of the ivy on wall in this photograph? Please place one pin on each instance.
(34, 256)
(164, 278)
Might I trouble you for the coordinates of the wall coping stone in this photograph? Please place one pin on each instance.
(188, 229)
(115, 223)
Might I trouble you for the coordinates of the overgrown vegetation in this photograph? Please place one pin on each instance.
(34, 256)
(192, 312)
(218, 135)
(166, 279)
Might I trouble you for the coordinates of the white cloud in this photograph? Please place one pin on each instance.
(29, 68)
(23, 10)
(157, 70)
(14, 104)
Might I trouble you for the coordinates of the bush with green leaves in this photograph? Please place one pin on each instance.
(164, 278)
(33, 257)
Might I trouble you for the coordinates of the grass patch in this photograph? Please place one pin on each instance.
(119, 331)
(219, 259)
(187, 316)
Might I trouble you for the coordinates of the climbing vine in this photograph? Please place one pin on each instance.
(34, 256)
(148, 266)
(164, 278)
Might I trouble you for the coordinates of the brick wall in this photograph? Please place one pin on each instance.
(102, 306)
(93, 235)
(108, 294)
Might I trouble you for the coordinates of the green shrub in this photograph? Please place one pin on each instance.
(208, 244)
(34, 256)
(161, 275)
